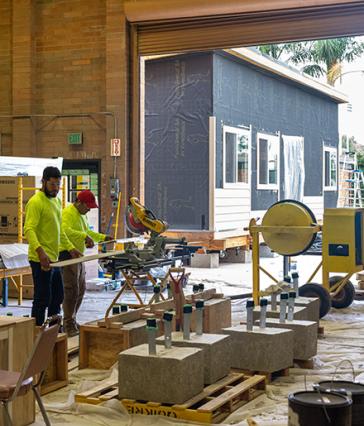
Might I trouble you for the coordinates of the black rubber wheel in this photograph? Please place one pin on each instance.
(345, 297)
(317, 290)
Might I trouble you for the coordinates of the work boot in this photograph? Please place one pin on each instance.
(71, 329)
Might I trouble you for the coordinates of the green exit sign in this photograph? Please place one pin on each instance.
(75, 138)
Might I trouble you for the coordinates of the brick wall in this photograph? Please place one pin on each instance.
(64, 57)
(5, 76)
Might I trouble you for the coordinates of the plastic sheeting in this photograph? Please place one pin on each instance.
(27, 166)
(294, 167)
(14, 255)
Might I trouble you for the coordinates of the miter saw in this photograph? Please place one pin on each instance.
(140, 221)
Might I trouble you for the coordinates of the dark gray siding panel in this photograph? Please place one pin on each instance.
(178, 103)
(246, 95)
(330, 199)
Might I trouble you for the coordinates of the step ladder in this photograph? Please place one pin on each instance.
(351, 182)
(353, 195)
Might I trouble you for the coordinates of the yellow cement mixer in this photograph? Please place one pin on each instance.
(289, 228)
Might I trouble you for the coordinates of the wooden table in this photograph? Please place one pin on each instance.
(5, 274)
(16, 343)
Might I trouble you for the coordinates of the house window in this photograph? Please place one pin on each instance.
(236, 156)
(268, 161)
(330, 168)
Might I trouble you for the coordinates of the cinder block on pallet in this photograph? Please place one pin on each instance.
(172, 376)
(305, 336)
(300, 313)
(216, 351)
(313, 307)
(205, 260)
(267, 350)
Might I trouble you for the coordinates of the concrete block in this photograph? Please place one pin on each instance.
(216, 351)
(242, 256)
(265, 251)
(312, 304)
(305, 336)
(172, 376)
(202, 260)
(300, 313)
(217, 315)
(267, 350)
(313, 307)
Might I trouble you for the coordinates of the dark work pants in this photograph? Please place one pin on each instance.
(48, 292)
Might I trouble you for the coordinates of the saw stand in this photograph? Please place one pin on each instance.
(175, 277)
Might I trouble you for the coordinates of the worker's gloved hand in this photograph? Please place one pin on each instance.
(89, 242)
(43, 259)
(108, 238)
(75, 253)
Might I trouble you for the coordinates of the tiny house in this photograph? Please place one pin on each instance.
(229, 133)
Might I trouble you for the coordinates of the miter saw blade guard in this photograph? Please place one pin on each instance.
(132, 224)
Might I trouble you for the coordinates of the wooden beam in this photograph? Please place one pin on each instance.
(151, 10)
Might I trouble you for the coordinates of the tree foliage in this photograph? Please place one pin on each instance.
(320, 57)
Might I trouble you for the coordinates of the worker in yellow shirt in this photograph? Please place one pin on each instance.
(42, 229)
(76, 227)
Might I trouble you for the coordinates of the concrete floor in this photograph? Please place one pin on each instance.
(342, 341)
(229, 278)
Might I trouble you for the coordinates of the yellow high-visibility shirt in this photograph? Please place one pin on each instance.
(76, 227)
(42, 226)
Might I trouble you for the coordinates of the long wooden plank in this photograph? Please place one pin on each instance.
(232, 393)
(105, 384)
(124, 318)
(86, 258)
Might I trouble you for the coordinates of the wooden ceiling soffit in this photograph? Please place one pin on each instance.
(159, 10)
(252, 28)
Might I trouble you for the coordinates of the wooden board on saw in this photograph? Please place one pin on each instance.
(100, 346)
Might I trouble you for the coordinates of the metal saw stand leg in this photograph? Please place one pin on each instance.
(154, 282)
(128, 284)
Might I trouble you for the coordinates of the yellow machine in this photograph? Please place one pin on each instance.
(290, 228)
(140, 220)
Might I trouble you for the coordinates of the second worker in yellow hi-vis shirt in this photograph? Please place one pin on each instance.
(76, 228)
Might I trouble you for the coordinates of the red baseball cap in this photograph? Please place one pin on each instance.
(88, 198)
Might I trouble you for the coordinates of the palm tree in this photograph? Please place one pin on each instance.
(320, 57)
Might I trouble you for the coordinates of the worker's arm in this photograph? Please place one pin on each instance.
(70, 232)
(32, 218)
(65, 242)
(95, 236)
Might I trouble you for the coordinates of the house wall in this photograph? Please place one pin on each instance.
(246, 95)
(178, 103)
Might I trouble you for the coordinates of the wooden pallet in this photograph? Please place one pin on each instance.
(269, 376)
(212, 405)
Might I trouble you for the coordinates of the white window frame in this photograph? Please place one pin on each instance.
(237, 130)
(330, 149)
(270, 138)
